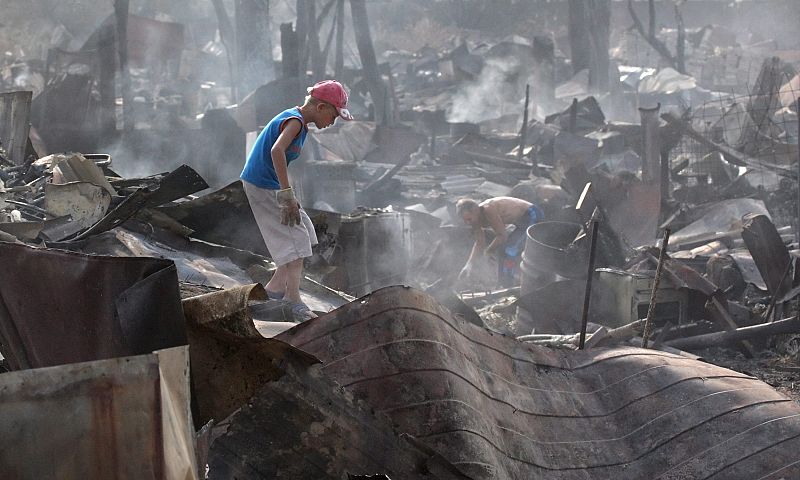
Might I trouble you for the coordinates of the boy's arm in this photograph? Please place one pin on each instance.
(290, 209)
(278, 151)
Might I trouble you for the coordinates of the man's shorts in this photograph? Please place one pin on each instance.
(284, 243)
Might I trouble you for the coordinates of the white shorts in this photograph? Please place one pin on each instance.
(284, 243)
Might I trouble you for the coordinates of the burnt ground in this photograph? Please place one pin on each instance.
(777, 366)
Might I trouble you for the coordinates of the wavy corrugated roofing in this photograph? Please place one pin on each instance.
(498, 408)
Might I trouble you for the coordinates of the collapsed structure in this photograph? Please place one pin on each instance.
(137, 340)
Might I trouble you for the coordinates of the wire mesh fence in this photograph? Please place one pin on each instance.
(762, 125)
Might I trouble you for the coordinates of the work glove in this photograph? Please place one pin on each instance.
(290, 209)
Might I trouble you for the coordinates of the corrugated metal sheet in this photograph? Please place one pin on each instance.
(304, 426)
(124, 418)
(230, 360)
(498, 408)
(58, 307)
(281, 416)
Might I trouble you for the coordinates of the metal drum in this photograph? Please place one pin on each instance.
(552, 251)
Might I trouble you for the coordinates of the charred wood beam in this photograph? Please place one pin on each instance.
(651, 145)
(290, 64)
(106, 85)
(15, 118)
(788, 325)
(523, 133)
(121, 8)
(623, 333)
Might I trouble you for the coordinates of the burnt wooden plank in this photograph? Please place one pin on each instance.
(15, 124)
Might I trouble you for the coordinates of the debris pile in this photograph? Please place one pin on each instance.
(651, 328)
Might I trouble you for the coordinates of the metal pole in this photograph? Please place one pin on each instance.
(588, 292)
(648, 325)
(524, 132)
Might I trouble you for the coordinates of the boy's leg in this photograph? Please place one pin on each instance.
(287, 245)
(294, 272)
(277, 283)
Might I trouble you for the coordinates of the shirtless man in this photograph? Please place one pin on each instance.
(496, 213)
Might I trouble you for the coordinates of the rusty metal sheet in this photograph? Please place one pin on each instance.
(282, 417)
(768, 251)
(203, 263)
(123, 418)
(230, 359)
(223, 217)
(498, 408)
(59, 307)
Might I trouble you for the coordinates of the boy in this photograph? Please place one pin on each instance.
(285, 226)
(497, 213)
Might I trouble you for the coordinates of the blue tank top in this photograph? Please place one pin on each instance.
(258, 168)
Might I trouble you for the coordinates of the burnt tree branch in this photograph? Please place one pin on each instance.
(654, 42)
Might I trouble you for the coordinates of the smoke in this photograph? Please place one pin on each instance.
(491, 95)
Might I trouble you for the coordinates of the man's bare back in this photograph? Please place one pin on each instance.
(509, 209)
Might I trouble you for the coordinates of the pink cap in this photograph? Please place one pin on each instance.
(331, 91)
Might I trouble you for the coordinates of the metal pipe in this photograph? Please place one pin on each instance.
(588, 292)
(648, 324)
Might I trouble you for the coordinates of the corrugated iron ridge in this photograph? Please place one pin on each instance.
(346, 311)
(390, 302)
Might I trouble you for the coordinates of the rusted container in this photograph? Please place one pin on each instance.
(552, 250)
